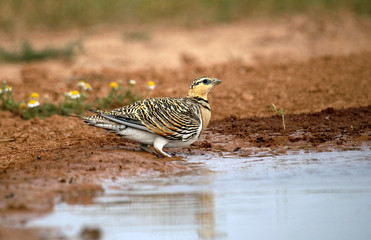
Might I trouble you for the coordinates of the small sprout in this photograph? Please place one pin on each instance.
(35, 95)
(132, 82)
(151, 85)
(33, 103)
(113, 85)
(74, 94)
(280, 113)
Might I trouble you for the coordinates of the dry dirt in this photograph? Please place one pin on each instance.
(317, 69)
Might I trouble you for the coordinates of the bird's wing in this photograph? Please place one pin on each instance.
(122, 116)
(172, 118)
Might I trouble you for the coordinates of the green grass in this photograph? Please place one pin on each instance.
(18, 14)
(28, 53)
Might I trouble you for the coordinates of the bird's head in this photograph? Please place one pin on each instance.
(201, 86)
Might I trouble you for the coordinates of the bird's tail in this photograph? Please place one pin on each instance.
(100, 122)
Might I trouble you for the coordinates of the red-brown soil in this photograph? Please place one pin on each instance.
(326, 98)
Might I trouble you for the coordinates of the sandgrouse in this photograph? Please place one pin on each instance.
(161, 122)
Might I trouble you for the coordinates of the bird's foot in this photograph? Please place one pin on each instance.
(160, 153)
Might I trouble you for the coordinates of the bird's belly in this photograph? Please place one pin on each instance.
(179, 143)
(138, 135)
(149, 138)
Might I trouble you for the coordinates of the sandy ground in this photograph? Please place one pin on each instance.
(317, 68)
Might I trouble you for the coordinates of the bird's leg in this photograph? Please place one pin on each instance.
(161, 154)
(145, 148)
(158, 144)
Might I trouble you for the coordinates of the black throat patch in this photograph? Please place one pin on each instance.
(203, 102)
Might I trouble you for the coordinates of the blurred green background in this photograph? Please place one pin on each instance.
(58, 14)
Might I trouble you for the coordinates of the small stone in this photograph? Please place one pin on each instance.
(92, 168)
(247, 96)
(10, 195)
(236, 149)
(90, 233)
(61, 180)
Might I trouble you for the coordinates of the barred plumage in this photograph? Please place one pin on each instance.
(161, 122)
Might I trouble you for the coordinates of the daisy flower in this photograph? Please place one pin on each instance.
(113, 85)
(132, 82)
(35, 95)
(74, 94)
(23, 106)
(151, 85)
(8, 89)
(33, 103)
(81, 84)
(87, 87)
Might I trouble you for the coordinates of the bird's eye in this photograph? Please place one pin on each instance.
(206, 81)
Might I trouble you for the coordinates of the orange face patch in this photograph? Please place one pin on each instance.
(200, 89)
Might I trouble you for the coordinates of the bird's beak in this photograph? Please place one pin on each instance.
(216, 81)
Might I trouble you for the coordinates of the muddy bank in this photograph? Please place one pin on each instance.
(330, 129)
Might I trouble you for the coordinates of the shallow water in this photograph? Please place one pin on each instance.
(298, 196)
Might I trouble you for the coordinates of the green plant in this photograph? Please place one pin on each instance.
(27, 53)
(36, 14)
(7, 99)
(118, 96)
(75, 101)
(280, 113)
(137, 36)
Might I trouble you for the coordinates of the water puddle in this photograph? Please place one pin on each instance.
(298, 196)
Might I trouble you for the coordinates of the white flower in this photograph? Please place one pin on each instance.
(8, 89)
(33, 103)
(132, 82)
(84, 85)
(87, 87)
(74, 94)
(151, 85)
(81, 84)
